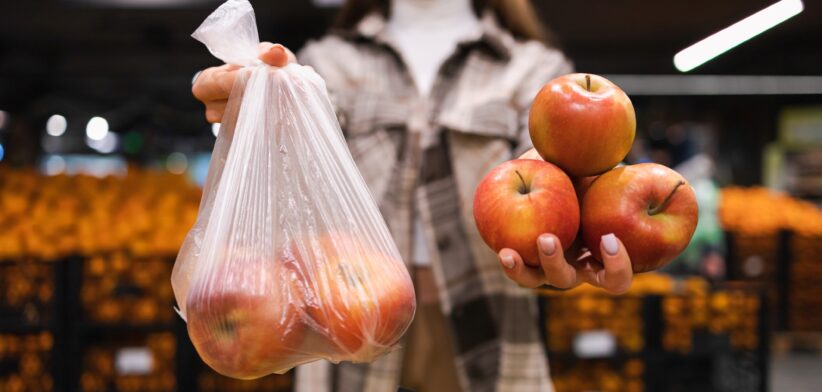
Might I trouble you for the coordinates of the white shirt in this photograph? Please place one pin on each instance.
(426, 33)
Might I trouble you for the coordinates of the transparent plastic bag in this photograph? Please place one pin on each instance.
(290, 260)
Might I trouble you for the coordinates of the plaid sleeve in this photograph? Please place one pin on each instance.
(320, 55)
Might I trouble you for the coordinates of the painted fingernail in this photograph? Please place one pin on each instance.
(547, 245)
(507, 261)
(609, 243)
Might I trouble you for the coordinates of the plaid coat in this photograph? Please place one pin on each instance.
(426, 155)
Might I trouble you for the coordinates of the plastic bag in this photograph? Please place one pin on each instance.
(290, 260)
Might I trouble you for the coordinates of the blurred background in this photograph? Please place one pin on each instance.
(103, 151)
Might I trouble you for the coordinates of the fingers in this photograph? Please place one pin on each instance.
(519, 272)
(215, 110)
(617, 273)
(275, 54)
(557, 271)
(587, 268)
(214, 84)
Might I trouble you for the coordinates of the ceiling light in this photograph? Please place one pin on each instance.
(97, 128)
(739, 32)
(56, 125)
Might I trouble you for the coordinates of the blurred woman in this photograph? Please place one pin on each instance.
(431, 94)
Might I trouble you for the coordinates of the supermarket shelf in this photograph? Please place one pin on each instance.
(100, 329)
(14, 326)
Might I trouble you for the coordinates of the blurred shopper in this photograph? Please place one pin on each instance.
(431, 94)
(688, 148)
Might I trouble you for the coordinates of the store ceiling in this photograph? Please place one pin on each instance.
(97, 55)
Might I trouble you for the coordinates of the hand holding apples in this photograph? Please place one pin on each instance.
(585, 125)
(550, 265)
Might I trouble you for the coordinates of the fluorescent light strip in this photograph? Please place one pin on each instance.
(670, 85)
(739, 32)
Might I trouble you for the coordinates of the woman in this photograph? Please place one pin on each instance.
(432, 94)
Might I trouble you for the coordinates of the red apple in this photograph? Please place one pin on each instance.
(583, 123)
(649, 207)
(244, 320)
(521, 199)
(581, 184)
(360, 299)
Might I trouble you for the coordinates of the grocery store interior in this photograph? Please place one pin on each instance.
(103, 153)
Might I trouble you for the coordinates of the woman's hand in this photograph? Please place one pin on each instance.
(613, 274)
(213, 85)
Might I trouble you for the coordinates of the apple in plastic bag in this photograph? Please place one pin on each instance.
(244, 320)
(360, 299)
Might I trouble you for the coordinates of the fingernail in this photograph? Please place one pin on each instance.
(547, 245)
(609, 243)
(507, 261)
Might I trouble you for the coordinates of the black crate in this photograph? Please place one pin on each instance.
(118, 290)
(27, 361)
(29, 291)
(127, 361)
(714, 361)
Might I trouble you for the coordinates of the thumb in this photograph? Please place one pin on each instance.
(617, 272)
(275, 55)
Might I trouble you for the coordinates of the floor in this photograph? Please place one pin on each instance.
(796, 373)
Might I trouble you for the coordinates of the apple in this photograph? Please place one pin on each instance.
(581, 184)
(521, 199)
(649, 207)
(359, 298)
(583, 123)
(244, 320)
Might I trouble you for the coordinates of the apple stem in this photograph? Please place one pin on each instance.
(661, 206)
(524, 188)
(588, 82)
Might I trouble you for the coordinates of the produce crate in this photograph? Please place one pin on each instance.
(599, 375)
(803, 291)
(116, 288)
(128, 361)
(568, 316)
(723, 335)
(121, 332)
(754, 256)
(210, 381)
(27, 362)
(763, 259)
(28, 293)
(687, 339)
(32, 320)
